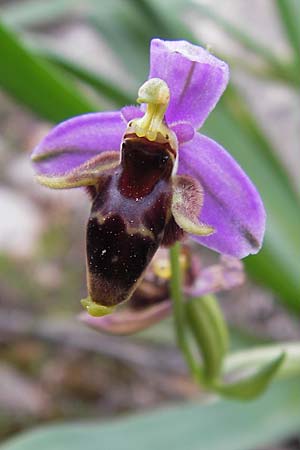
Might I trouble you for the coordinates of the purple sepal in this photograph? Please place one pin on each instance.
(183, 130)
(226, 275)
(196, 79)
(232, 204)
(131, 112)
(73, 142)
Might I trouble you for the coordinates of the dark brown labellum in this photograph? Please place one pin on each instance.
(128, 220)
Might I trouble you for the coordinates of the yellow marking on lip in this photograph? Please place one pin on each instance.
(139, 230)
(162, 266)
(64, 182)
(86, 174)
(142, 230)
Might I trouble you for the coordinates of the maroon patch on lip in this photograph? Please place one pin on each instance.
(132, 137)
(145, 163)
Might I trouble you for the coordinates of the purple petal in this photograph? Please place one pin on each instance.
(183, 130)
(196, 79)
(226, 275)
(73, 142)
(232, 204)
(131, 112)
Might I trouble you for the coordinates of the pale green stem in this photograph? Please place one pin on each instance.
(179, 312)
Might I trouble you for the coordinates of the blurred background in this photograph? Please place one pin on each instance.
(67, 57)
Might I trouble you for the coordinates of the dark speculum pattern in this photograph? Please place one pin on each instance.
(116, 259)
(128, 218)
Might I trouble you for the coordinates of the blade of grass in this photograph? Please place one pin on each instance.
(36, 83)
(254, 357)
(96, 81)
(237, 106)
(263, 70)
(125, 31)
(135, 23)
(289, 13)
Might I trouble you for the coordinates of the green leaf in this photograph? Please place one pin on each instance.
(289, 12)
(101, 85)
(129, 37)
(220, 426)
(239, 110)
(210, 332)
(254, 357)
(36, 83)
(136, 23)
(252, 386)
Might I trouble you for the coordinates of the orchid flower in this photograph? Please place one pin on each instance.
(152, 177)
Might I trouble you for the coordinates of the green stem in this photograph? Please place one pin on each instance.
(179, 312)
